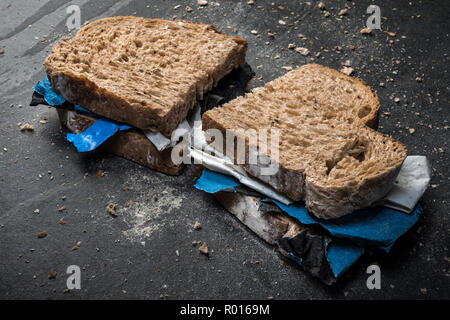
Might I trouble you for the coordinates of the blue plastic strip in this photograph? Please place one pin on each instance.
(44, 88)
(100, 131)
(212, 182)
(95, 135)
(342, 255)
(377, 226)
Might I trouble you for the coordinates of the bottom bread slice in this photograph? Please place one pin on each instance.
(130, 144)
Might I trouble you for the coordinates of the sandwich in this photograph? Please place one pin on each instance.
(146, 76)
(328, 153)
(335, 184)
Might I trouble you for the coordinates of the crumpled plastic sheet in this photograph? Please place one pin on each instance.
(377, 226)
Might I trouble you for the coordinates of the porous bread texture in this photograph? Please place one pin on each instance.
(144, 72)
(328, 154)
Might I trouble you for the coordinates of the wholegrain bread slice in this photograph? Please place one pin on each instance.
(329, 156)
(144, 72)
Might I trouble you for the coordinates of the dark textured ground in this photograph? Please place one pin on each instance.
(123, 258)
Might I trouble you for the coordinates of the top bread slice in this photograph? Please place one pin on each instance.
(329, 155)
(144, 72)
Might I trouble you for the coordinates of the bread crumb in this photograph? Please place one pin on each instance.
(188, 9)
(343, 12)
(36, 211)
(52, 274)
(26, 127)
(62, 221)
(100, 173)
(412, 130)
(396, 100)
(391, 34)
(254, 32)
(366, 31)
(347, 70)
(291, 46)
(111, 208)
(42, 234)
(204, 249)
(2, 51)
(321, 6)
(351, 47)
(281, 22)
(202, 3)
(197, 225)
(302, 51)
(326, 14)
(62, 208)
(250, 2)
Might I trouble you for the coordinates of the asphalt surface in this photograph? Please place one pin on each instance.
(134, 255)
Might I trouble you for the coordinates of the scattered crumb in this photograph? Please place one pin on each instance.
(202, 3)
(366, 31)
(204, 249)
(347, 70)
(391, 34)
(291, 46)
(26, 127)
(188, 9)
(100, 173)
(52, 274)
(282, 22)
(42, 234)
(412, 130)
(254, 32)
(111, 209)
(62, 221)
(36, 211)
(351, 47)
(302, 51)
(130, 203)
(64, 207)
(343, 12)
(197, 225)
(250, 2)
(396, 100)
(196, 242)
(321, 6)
(2, 51)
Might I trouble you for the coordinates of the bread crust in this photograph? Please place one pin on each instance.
(332, 182)
(88, 89)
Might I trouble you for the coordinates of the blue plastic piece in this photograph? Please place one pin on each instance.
(100, 131)
(379, 226)
(88, 140)
(44, 88)
(342, 255)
